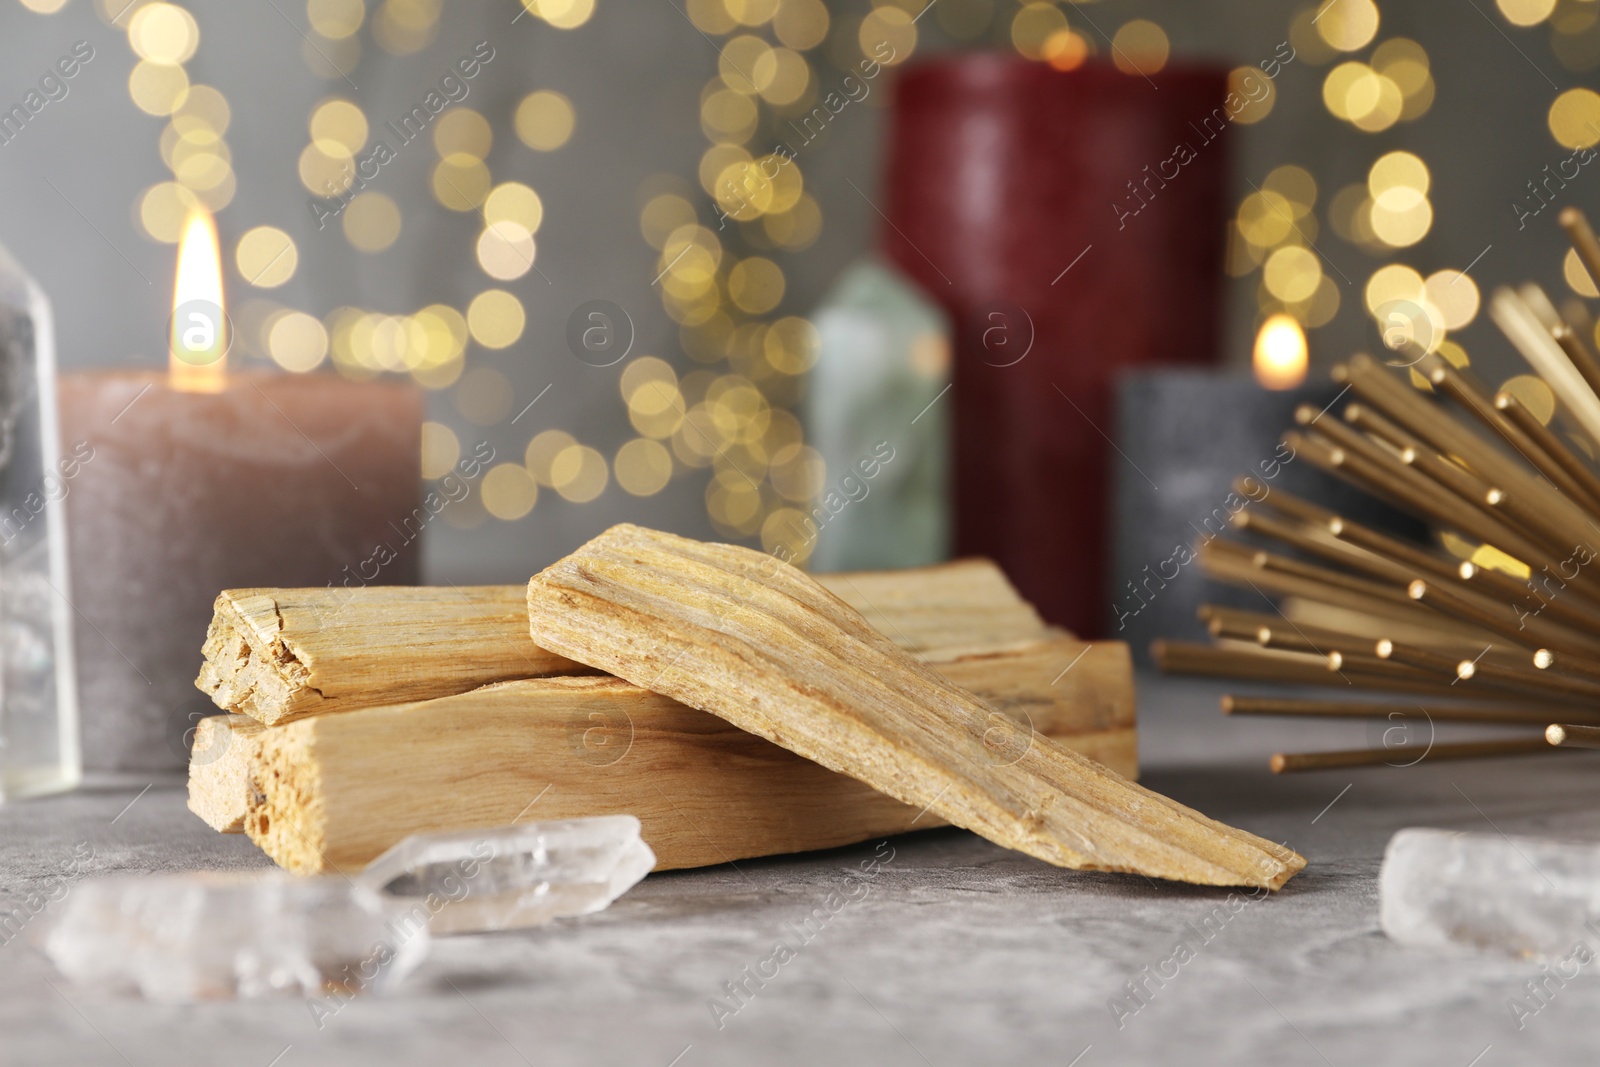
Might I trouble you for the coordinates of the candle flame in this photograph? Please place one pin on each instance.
(1280, 357)
(198, 346)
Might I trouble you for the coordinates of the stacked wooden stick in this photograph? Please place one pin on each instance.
(363, 716)
(1509, 635)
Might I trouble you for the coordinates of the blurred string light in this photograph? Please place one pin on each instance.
(1573, 117)
(723, 237)
(430, 344)
(721, 241)
(1372, 83)
(723, 280)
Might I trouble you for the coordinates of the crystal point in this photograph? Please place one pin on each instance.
(39, 749)
(1520, 895)
(209, 935)
(509, 877)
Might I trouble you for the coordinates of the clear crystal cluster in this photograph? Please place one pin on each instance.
(513, 876)
(207, 935)
(1521, 895)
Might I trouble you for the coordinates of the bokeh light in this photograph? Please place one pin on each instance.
(1526, 12)
(579, 473)
(440, 450)
(514, 202)
(643, 467)
(1575, 118)
(484, 395)
(1141, 47)
(336, 19)
(157, 88)
(1577, 275)
(495, 318)
(297, 342)
(338, 126)
(462, 131)
(266, 257)
(371, 222)
(505, 250)
(508, 491)
(163, 33)
(541, 453)
(545, 120)
(1347, 25)
(1455, 294)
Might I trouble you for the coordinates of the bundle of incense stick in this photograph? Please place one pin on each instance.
(1502, 629)
(362, 717)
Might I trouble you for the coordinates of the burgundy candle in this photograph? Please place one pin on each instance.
(1072, 224)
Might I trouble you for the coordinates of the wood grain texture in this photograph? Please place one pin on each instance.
(754, 641)
(334, 791)
(283, 654)
(220, 764)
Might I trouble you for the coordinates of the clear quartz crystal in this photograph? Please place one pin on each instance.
(209, 935)
(1520, 895)
(38, 696)
(513, 876)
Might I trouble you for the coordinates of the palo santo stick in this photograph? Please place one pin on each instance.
(282, 654)
(1080, 694)
(757, 642)
(335, 791)
(1295, 707)
(225, 748)
(1286, 762)
(1572, 735)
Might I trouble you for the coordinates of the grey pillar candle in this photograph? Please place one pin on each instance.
(276, 480)
(1183, 437)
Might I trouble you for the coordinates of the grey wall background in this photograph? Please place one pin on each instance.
(634, 73)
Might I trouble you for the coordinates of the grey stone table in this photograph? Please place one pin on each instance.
(953, 952)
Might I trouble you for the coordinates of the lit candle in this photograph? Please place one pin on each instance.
(1184, 437)
(203, 479)
(1280, 356)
